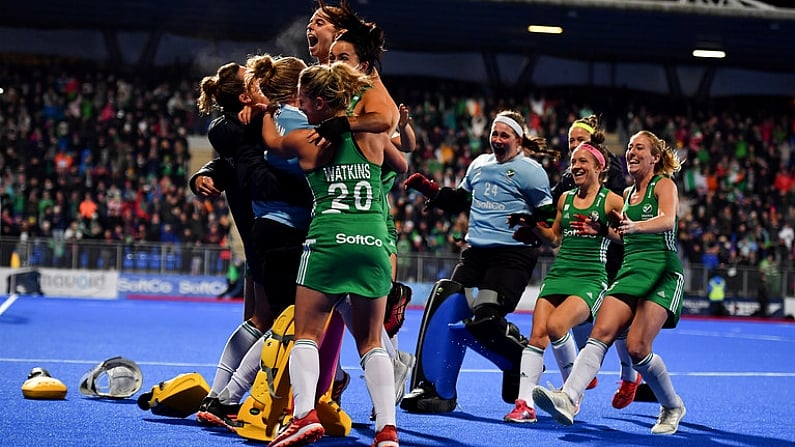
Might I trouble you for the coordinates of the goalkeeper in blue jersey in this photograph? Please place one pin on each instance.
(500, 189)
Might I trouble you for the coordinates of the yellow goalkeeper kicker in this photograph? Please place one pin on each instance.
(266, 409)
(179, 397)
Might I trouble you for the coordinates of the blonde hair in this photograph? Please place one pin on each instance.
(221, 90)
(276, 78)
(336, 84)
(669, 162)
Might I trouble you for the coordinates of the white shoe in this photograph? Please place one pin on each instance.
(402, 365)
(556, 403)
(668, 420)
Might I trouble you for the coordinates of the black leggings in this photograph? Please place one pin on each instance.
(278, 248)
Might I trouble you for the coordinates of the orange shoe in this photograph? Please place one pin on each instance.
(387, 437)
(303, 431)
(593, 384)
(521, 413)
(626, 393)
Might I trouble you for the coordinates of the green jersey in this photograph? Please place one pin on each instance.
(646, 209)
(388, 177)
(579, 267)
(651, 268)
(346, 247)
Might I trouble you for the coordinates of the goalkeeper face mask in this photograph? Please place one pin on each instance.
(115, 378)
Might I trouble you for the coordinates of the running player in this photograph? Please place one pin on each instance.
(647, 291)
(572, 290)
(582, 130)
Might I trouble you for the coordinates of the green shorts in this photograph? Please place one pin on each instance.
(391, 234)
(588, 285)
(658, 278)
(347, 256)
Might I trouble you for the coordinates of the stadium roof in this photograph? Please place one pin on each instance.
(754, 35)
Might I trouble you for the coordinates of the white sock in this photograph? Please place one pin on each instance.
(380, 381)
(588, 362)
(532, 367)
(304, 374)
(654, 372)
(394, 341)
(245, 374)
(236, 347)
(565, 352)
(390, 349)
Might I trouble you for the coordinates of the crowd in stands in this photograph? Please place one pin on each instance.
(87, 153)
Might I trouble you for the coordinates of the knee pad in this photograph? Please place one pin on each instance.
(179, 397)
(447, 304)
(488, 300)
(502, 343)
(497, 339)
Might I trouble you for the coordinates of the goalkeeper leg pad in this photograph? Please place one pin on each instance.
(438, 355)
(261, 412)
(502, 343)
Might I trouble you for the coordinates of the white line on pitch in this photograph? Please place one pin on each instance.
(94, 362)
(8, 302)
(673, 373)
(463, 370)
(734, 335)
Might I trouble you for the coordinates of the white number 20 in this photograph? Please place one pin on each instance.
(362, 197)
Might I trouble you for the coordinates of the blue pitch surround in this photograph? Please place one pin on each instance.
(737, 378)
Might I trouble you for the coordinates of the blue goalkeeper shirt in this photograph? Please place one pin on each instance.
(287, 118)
(498, 190)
